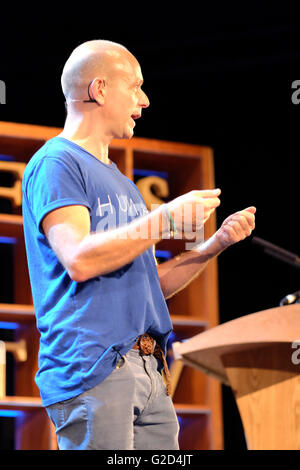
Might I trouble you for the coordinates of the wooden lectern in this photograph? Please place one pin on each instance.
(258, 356)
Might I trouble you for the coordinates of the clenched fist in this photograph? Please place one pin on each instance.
(236, 227)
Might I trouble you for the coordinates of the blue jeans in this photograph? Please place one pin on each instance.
(129, 410)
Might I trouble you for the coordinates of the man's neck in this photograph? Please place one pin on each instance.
(88, 137)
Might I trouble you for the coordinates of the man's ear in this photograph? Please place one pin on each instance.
(97, 90)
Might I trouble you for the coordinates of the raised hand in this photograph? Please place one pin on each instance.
(191, 210)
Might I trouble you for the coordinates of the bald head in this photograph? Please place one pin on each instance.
(98, 58)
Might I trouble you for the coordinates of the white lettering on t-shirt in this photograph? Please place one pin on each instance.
(104, 205)
(125, 207)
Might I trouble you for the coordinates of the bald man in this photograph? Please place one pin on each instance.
(98, 293)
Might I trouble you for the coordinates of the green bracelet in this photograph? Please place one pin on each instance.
(173, 228)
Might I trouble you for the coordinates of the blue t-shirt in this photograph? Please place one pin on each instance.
(85, 326)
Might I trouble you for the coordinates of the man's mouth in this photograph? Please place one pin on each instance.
(134, 117)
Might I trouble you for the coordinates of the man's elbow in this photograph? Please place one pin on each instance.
(77, 271)
(81, 270)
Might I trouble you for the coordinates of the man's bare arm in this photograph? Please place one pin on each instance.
(85, 255)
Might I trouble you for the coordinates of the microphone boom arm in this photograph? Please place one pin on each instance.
(278, 252)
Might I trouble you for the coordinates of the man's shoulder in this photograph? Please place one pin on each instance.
(53, 149)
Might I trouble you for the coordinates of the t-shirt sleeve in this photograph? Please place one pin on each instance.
(53, 184)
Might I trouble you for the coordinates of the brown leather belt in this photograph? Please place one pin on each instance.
(147, 345)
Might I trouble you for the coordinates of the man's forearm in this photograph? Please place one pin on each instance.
(177, 273)
(103, 252)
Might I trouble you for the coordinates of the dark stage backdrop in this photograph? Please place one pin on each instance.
(221, 78)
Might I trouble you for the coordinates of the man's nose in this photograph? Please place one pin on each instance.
(144, 100)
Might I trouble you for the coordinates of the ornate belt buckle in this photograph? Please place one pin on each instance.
(146, 344)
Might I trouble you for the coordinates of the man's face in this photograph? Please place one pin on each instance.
(124, 99)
